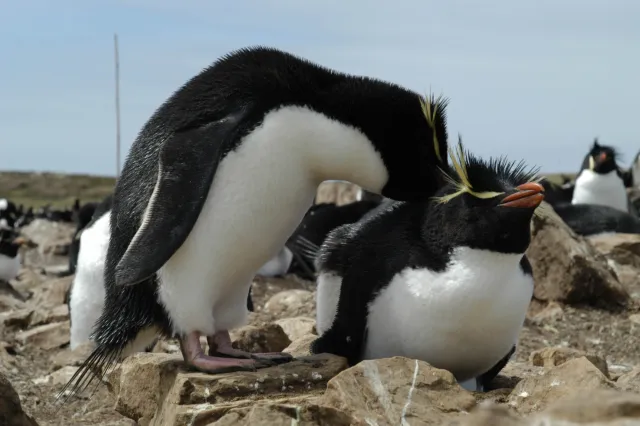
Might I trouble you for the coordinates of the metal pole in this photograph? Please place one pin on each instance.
(117, 63)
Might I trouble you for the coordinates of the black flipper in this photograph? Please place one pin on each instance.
(187, 165)
(485, 379)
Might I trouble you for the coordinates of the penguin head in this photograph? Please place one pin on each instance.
(11, 241)
(484, 205)
(601, 159)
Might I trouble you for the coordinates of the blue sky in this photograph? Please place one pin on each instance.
(533, 80)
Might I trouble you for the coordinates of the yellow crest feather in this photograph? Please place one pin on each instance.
(430, 115)
(462, 184)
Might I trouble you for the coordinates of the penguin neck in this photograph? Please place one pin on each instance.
(328, 148)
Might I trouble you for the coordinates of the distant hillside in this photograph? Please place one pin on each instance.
(60, 190)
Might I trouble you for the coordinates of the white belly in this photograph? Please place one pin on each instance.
(463, 320)
(9, 267)
(87, 294)
(259, 195)
(606, 190)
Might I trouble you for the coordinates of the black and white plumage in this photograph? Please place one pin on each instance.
(445, 281)
(86, 295)
(600, 180)
(198, 207)
(82, 217)
(10, 243)
(319, 220)
(8, 213)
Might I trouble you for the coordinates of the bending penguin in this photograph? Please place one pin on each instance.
(257, 130)
(445, 280)
(600, 180)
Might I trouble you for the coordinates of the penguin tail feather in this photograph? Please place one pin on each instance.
(99, 363)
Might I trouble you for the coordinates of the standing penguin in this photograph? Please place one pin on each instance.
(10, 243)
(86, 296)
(198, 207)
(445, 281)
(600, 180)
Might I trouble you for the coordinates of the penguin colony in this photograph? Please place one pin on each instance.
(174, 250)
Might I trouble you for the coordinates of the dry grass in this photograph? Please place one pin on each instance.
(59, 190)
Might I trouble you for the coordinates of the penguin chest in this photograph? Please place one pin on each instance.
(464, 319)
(603, 189)
(9, 267)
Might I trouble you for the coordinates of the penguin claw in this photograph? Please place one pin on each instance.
(273, 357)
(220, 346)
(217, 365)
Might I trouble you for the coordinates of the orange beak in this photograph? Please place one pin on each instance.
(529, 195)
(603, 156)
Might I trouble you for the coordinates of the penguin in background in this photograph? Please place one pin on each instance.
(82, 217)
(257, 130)
(600, 180)
(321, 219)
(10, 243)
(8, 212)
(556, 194)
(446, 281)
(594, 219)
(86, 296)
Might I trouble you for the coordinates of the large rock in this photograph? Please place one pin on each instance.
(623, 252)
(398, 391)
(48, 336)
(552, 357)
(267, 338)
(291, 303)
(11, 413)
(52, 239)
(594, 408)
(573, 377)
(568, 269)
(155, 389)
(337, 192)
(297, 327)
(52, 294)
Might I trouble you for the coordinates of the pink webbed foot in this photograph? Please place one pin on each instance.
(220, 346)
(194, 357)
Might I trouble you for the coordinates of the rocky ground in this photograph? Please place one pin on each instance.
(578, 361)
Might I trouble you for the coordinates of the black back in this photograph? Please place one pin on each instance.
(591, 219)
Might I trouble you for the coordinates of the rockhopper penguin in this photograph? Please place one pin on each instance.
(600, 180)
(86, 299)
(445, 280)
(198, 207)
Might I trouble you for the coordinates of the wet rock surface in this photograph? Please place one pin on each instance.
(577, 362)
